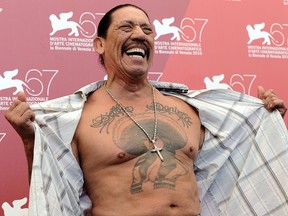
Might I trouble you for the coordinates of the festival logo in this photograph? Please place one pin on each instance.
(256, 33)
(238, 82)
(267, 41)
(2, 135)
(63, 23)
(165, 28)
(16, 208)
(36, 86)
(71, 33)
(154, 75)
(184, 38)
(215, 83)
(8, 81)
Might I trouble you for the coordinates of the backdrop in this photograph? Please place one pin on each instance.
(46, 51)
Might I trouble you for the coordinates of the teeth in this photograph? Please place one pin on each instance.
(136, 56)
(136, 52)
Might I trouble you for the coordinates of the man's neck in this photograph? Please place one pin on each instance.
(137, 91)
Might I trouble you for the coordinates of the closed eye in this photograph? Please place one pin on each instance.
(147, 30)
(126, 28)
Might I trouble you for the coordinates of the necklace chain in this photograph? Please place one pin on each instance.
(153, 139)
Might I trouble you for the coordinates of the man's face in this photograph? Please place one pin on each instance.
(129, 45)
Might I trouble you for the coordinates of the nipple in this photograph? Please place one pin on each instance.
(191, 149)
(121, 155)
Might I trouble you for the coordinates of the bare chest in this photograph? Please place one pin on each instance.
(113, 137)
(140, 152)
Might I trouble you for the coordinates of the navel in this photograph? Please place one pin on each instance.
(121, 155)
(173, 205)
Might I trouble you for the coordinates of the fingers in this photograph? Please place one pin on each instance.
(20, 112)
(261, 92)
(21, 96)
(271, 101)
(20, 116)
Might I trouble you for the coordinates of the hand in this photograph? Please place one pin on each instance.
(271, 101)
(20, 116)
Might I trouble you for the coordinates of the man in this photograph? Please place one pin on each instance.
(135, 146)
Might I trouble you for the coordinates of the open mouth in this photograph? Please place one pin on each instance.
(136, 53)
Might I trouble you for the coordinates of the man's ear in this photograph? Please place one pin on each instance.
(99, 44)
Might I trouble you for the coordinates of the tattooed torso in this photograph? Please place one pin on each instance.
(120, 170)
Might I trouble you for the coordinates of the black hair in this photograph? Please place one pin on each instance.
(106, 21)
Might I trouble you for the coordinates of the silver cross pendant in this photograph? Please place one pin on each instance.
(157, 150)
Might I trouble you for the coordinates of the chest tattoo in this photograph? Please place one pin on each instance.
(104, 120)
(171, 136)
(183, 117)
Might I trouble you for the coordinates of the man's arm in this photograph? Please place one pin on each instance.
(271, 101)
(20, 116)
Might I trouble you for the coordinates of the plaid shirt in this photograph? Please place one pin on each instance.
(241, 168)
